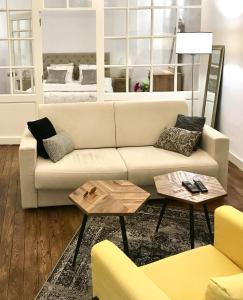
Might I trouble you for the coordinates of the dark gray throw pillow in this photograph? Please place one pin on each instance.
(41, 129)
(56, 76)
(89, 77)
(178, 140)
(58, 146)
(191, 124)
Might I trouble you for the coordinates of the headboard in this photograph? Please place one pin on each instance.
(88, 58)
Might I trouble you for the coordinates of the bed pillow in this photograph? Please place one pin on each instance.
(58, 146)
(178, 140)
(85, 67)
(69, 69)
(89, 77)
(225, 288)
(56, 76)
(63, 65)
(41, 129)
(191, 124)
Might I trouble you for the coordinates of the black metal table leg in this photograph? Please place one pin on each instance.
(81, 233)
(208, 221)
(124, 235)
(161, 214)
(192, 226)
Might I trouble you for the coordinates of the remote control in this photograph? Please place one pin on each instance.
(200, 185)
(190, 187)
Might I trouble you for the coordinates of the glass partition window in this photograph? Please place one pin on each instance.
(67, 3)
(16, 55)
(140, 36)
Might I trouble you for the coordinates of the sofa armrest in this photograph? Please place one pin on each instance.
(116, 277)
(229, 233)
(27, 164)
(217, 145)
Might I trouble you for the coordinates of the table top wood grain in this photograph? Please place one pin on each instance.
(170, 186)
(109, 197)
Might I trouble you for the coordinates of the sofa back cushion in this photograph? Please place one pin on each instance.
(141, 123)
(90, 125)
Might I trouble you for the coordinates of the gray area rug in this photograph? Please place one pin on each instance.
(66, 282)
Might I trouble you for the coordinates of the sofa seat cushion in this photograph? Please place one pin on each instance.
(79, 166)
(186, 276)
(143, 163)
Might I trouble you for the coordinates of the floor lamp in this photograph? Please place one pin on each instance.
(194, 43)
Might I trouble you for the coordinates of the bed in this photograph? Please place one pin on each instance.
(73, 91)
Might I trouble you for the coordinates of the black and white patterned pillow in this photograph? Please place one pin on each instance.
(178, 140)
(58, 146)
(191, 124)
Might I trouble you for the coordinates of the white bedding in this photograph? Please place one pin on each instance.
(69, 97)
(73, 92)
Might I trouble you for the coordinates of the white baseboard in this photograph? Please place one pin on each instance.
(236, 161)
(10, 140)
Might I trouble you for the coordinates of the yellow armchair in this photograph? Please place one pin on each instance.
(184, 276)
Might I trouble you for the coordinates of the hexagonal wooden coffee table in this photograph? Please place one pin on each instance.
(108, 198)
(170, 187)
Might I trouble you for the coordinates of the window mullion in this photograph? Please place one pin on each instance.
(151, 46)
(164, 38)
(9, 50)
(176, 55)
(127, 46)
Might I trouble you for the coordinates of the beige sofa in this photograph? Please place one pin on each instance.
(113, 140)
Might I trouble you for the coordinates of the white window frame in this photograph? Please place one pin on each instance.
(36, 95)
(98, 7)
(146, 95)
(17, 19)
(68, 7)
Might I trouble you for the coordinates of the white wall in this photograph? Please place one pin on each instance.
(65, 32)
(225, 19)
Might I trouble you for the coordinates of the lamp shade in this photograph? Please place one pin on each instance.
(194, 43)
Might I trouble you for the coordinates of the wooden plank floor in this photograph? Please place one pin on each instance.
(31, 241)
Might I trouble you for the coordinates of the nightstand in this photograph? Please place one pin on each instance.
(163, 81)
(119, 84)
